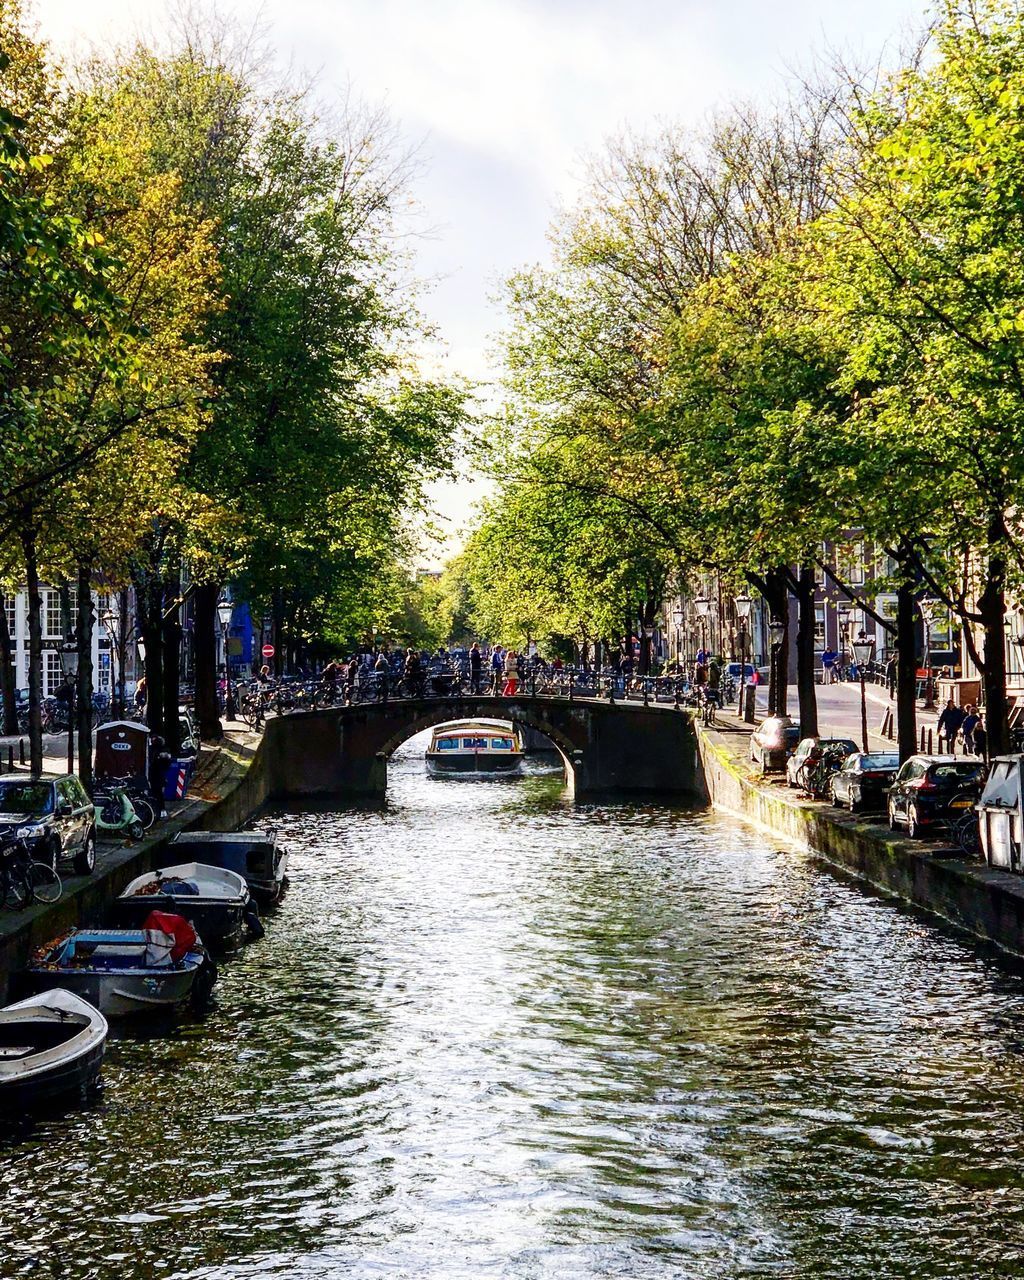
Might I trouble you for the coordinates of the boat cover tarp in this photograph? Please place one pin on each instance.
(167, 935)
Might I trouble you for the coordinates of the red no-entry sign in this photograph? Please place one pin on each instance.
(267, 651)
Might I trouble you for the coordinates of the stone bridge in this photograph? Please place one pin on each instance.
(605, 747)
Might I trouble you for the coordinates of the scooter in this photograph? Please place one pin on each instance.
(117, 815)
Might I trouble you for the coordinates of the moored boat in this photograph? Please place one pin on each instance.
(125, 972)
(51, 1047)
(471, 747)
(255, 855)
(214, 901)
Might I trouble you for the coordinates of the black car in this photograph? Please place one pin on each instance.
(931, 790)
(54, 815)
(864, 779)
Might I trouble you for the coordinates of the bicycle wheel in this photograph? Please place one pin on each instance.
(44, 882)
(144, 811)
(14, 891)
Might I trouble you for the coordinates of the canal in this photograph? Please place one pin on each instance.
(491, 1034)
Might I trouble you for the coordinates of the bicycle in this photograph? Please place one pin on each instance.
(22, 880)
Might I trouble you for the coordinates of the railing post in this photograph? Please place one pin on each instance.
(647, 690)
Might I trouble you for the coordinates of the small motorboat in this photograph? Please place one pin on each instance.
(474, 747)
(214, 901)
(124, 972)
(255, 855)
(51, 1047)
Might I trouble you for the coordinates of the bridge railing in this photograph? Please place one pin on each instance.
(446, 683)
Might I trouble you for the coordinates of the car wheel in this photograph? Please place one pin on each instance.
(893, 824)
(913, 823)
(85, 859)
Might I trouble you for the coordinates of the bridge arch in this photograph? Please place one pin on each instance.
(431, 715)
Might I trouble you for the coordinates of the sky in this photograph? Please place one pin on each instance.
(505, 99)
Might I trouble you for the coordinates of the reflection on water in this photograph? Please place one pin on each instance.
(489, 1034)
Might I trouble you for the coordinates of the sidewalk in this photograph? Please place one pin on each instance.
(839, 712)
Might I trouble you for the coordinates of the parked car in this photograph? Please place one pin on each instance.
(733, 669)
(772, 741)
(864, 780)
(931, 790)
(809, 751)
(54, 815)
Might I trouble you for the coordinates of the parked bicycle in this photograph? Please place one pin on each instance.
(22, 880)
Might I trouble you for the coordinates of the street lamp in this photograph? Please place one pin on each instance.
(863, 652)
(743, 606)
(112, 620)
(776, 634)
(67, 651)
(929, 607)
(702, 608)
(225, 610)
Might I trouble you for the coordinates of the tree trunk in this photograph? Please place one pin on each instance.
(8, 675)
(906, 671)
(118, 687)
(35, 650)
(992, 607)
(806, 689)
(149, 599)
(276, 631)
(83, 693)
(205, 622)
(171, 635)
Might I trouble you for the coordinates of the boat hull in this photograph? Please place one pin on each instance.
(480, 762)
(72, 1079)
(256, 857)
(124, 995)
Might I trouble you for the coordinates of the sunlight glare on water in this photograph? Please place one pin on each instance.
(492, 1034)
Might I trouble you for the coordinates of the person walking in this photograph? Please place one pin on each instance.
(980, 739)
(511, 674)
(475, 665)
(497, 666)
(970, 722)
(381, 671)
(828, 665)
(891, 670)
(950, 720)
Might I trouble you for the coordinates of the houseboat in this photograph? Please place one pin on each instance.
(468, 747)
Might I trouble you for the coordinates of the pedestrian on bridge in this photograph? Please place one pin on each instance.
(511, 674)
(475, 665)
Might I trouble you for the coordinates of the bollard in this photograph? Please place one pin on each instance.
(921, 747)
(929, 742)
(21, 750)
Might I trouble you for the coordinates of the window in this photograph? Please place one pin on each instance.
(11, 609)
(52, 675)
(819, 628)
(52, 629)
(474, 744)
(501, 744)
(447, 744)
(53, 620)
(103, 672)
(850, 562)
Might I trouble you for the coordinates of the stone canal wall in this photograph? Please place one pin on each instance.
(969, 895)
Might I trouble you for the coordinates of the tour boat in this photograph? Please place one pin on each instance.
(124, 972)
(255, 855)
(51, 1046)
(473, 747)
(214, 901)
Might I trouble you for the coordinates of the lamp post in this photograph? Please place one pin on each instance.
(225, 609)
(68, 653)
(843, 614)
(776, 633)
(929, 607)
(702, 608)
(742, 605)
(112, 621)
(863, 652)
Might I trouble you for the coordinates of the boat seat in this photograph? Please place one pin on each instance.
(10, 1051)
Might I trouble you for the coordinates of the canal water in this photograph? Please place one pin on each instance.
(489, 1034)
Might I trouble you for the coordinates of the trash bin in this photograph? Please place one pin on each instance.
(750, 703)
